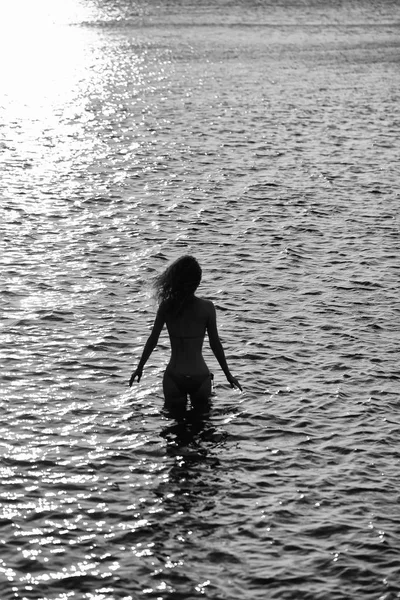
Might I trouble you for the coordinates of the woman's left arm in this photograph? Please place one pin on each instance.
(149, 346)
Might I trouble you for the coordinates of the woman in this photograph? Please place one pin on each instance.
(188, 318)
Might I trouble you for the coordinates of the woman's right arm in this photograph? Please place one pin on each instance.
(217, 348)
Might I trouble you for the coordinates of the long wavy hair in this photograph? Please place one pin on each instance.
(177, 284)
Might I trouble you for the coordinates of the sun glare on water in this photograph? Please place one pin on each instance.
(40, 54)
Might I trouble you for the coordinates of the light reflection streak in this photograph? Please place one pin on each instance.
(41, 72)
(80, 569)
(55, 82)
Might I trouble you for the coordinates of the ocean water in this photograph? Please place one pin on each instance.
(262, 137)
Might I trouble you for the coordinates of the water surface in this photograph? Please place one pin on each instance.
(263, 139)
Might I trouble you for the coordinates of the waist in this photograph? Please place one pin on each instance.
(189, 373)
(188, 363)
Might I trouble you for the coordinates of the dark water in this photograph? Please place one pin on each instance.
(263, 138)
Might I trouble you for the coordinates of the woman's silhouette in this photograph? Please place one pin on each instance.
(188, 319)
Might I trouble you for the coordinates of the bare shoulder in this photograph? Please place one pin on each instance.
(205, 308)
(205, 304)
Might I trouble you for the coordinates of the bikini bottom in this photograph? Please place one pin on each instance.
(188, 384)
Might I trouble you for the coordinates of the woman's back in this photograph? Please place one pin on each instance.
(187, 330)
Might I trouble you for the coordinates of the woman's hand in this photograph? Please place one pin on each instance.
(234, 382)
(136, 373)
